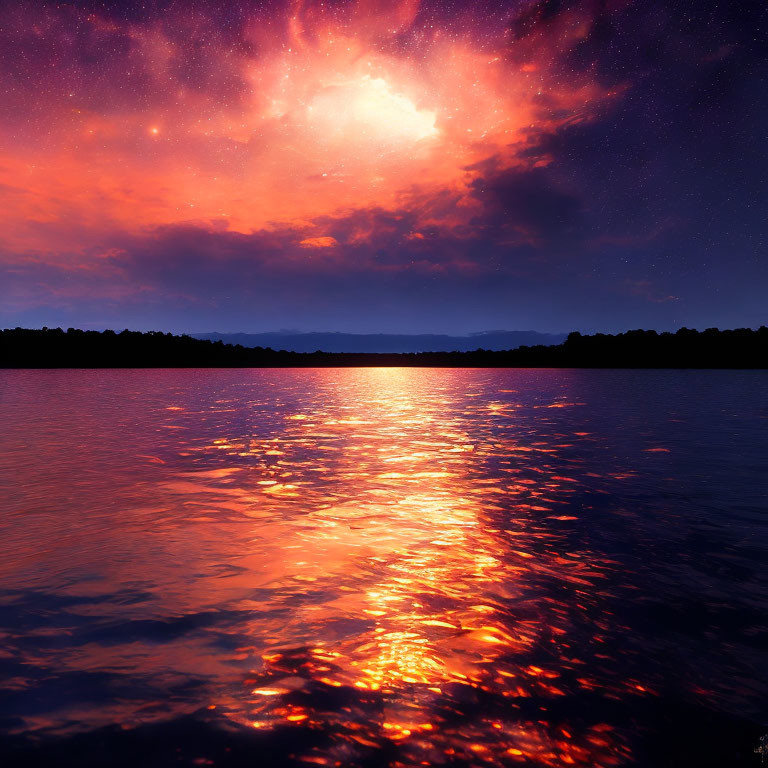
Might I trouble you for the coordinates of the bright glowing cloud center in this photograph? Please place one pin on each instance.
(369, 108)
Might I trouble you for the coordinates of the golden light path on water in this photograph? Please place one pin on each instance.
(378, 525)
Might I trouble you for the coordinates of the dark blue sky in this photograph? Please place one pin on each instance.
(370, 166)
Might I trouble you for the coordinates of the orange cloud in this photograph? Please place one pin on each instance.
(318, 242)
(314, 112)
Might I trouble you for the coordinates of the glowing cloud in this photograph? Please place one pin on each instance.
(318, 242)
(307, 111)
(367, 110)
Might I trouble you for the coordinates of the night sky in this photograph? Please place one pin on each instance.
(384, 166)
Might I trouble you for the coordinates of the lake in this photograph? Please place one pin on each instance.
(383, 567)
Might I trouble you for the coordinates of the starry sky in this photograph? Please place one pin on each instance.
(445, 166)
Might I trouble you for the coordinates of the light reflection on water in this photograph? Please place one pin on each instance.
(430, 566)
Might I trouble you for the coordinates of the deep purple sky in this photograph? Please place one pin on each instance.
(381, 166)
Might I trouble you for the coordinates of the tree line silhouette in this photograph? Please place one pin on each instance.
(686, 348)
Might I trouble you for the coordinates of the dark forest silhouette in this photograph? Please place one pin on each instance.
(310, 341)
(55, 348)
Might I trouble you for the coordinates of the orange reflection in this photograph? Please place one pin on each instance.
(434, 606)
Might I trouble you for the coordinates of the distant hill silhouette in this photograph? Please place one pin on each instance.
(295, 341)
(55, 348)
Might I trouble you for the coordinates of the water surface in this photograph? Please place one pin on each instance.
(383, 567)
